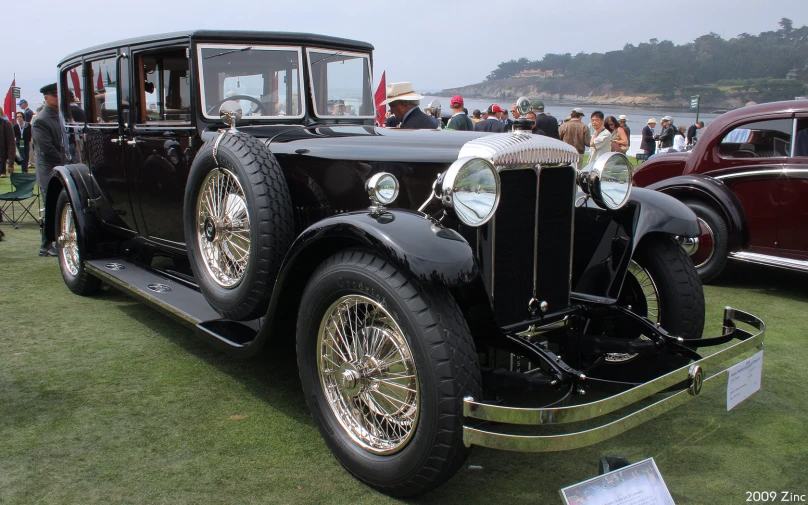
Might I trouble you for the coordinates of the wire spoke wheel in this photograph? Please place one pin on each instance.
(644, 299)
(223, 227)
(368, 374)
(68, 239)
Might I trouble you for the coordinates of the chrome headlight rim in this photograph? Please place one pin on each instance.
(378, 193)
(591, 181)
(445, 189)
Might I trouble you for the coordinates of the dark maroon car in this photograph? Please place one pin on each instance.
(747, 181)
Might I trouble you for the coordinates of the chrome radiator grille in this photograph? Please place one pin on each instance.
(526, 250)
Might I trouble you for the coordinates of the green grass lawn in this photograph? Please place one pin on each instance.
(106, 401)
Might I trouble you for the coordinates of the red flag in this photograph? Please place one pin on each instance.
(100, 82)
(379, 96)
(9, 105)
(74, 76)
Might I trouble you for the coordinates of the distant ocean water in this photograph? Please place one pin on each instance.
(637, 116)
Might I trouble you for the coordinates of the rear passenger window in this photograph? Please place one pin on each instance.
(164, 88)
(762, 139)
(103, 92)
(72, 82)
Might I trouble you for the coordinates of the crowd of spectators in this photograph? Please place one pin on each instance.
(603, 133)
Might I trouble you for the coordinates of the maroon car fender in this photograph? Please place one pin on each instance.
(714, 193)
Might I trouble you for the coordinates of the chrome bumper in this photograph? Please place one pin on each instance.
(693, 374)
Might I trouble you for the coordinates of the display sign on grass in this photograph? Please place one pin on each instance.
(637, 484)
(744, 380)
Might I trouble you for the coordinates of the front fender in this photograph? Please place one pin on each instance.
(605, 241)
(76, 180)
(712, 192)
(415, 243)
(661, 213)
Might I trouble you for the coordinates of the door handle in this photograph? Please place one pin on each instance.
(117, 141)
(131, 142)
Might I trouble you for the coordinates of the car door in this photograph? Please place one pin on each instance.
(106, 95)
(160, 143)
(753, 155)
(792, 230)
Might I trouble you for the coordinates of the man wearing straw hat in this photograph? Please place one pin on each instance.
(648, 144)
(404, 104)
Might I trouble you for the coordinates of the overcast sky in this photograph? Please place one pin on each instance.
(434, 44)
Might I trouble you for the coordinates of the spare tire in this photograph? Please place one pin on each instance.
(238, 224)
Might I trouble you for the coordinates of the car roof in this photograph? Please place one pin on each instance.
(228, 36)
(786, 107)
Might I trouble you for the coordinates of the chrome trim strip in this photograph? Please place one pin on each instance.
(572, 226)
(775, 261)
(793, 136)
(141, 295)
(537, 169)
(778, 171)
(560, 415)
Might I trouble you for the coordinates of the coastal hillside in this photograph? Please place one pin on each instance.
(726, 73)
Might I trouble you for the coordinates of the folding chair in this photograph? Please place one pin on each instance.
(23, 185)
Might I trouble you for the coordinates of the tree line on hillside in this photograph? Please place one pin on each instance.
(665, 68)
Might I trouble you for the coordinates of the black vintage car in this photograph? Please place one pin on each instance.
(438, 285)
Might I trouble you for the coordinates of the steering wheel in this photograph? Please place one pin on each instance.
(260, 105)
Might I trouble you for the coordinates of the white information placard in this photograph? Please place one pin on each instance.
(637, 484)
(744, 380)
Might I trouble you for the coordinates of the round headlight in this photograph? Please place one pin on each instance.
(471, 188)
(382, 188)
(608, 180)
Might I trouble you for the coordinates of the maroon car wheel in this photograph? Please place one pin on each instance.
(711, 256)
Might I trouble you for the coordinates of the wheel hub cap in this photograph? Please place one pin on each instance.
(368, 375)
(223, 228)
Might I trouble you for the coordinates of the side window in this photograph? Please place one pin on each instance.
(73, 108)
(801, 140)
(103, 92)
(164, 89)
(762, 139)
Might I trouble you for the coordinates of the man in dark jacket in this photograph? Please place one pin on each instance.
(648, 145)
(7, 151)
(29, 114)
(49, 148)
(492, 123)
(22, 135)
(404, 103)
(668, 132)
(460, 120)
(543, 121)
(692, 132)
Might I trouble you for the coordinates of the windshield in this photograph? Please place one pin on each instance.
(341, 83)
(264, 81)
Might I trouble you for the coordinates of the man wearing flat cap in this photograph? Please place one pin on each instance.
(49, 148)
(575, 133)
(404, 103)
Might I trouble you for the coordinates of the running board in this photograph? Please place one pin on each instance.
(174, 299)
(774, 261)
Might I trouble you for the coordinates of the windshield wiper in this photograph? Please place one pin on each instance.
(228, 52)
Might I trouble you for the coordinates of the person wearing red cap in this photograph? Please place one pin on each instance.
(492, 123)
(459, 120)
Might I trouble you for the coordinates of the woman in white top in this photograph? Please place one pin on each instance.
(679, 139)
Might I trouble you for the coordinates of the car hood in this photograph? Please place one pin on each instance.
(367, 142)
